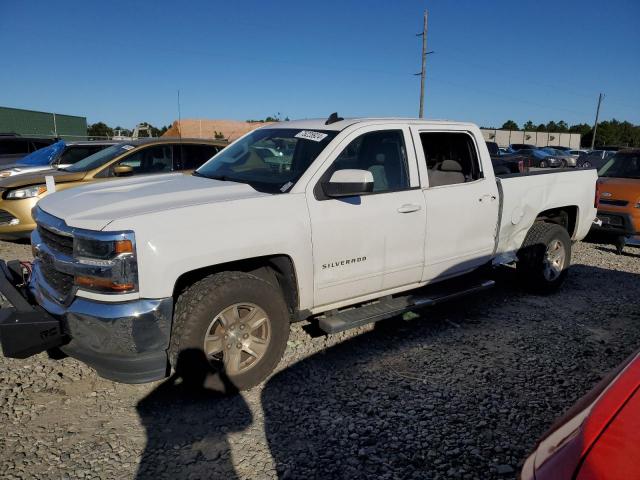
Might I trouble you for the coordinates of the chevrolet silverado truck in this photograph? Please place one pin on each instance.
(339, 223)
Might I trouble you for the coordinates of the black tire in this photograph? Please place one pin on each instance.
(620, 243)
(543, 164)
(532, 266)
(563, 164)
(586, 165)
(196, 308)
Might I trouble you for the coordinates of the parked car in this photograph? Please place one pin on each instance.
(58, 155)
(14, 147)
(20, 193)
(566, 159)
(215, 266)
(594, 159)
(540, 158)
(599, 437)
(505, 163)
(619, 208)
(514, 147)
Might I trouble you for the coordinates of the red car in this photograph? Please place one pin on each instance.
(599, 437)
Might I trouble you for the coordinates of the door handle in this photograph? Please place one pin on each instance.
(408, 208)
(487, 197)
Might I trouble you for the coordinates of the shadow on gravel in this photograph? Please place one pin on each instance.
(187, 425)
(463, 392)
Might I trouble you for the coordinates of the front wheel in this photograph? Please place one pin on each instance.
(586, 165)
(543, 164)
(544, 257)
(231, 329)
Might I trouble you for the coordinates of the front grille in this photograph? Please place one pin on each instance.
(60, 282)
(55, 241)
(6, 217)
(617, 203)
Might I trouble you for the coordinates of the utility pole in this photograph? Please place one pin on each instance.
(595, 125)
(424, 63)
(423, 72)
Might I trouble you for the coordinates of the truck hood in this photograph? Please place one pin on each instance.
(94, 206)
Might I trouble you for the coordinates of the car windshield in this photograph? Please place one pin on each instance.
(100, 158)
(622, 165)
(44, 156)
(269, 159)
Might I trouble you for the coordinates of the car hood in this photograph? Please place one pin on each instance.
(18, 169)
(612, 188)
(34, 178)
(94, 206)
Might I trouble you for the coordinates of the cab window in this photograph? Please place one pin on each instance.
(451, 158)
(156, 159)
(383, 153)
(190, 157)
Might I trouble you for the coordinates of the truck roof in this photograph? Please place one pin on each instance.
(320, 123)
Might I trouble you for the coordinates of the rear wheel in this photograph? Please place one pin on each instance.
(544, 257)
(231, 329)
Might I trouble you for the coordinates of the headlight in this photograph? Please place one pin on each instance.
(106, 265)
(28, 192)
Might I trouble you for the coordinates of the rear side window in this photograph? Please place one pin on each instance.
(13, 147)
(451, 158)
(190, 157)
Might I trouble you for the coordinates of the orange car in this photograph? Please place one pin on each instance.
(619, 188)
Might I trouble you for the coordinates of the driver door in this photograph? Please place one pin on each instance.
(371, 243)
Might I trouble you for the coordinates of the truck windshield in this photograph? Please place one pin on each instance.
(622, 165)
(99, 158)
(269, 159)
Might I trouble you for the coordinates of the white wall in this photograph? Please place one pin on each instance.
(541, 139)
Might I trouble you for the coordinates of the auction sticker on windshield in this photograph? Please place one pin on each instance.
(311, 135)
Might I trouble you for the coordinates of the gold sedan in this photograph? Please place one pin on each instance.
(20, 193)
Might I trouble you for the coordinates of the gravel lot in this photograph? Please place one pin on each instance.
(460, 391)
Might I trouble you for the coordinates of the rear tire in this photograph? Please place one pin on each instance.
(230, 330)
(544, 257)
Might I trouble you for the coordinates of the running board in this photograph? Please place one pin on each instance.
(340, 320)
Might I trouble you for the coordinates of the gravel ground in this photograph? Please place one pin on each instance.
(458, 391)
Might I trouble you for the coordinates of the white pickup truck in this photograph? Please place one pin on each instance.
(340, 222)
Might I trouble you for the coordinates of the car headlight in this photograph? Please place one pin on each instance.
(27, 192)
(106, 265)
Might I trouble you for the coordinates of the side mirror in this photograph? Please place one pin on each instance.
(348, 183)
(122, 170)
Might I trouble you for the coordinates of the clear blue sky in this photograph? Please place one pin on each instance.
(123, 62)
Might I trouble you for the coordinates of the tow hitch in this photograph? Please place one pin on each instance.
(25, 328)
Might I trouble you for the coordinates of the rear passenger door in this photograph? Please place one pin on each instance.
(461, 201)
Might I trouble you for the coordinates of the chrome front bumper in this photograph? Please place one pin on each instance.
(123, 341)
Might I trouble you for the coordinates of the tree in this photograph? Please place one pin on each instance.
(541, 128)
(529, 126)
(99, 129)
(510, 125)
(552, 126)
(562, 126)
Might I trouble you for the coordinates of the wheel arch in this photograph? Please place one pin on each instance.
(565, 216)
(279, 270)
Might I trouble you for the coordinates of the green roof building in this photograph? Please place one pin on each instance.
(31, 122)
